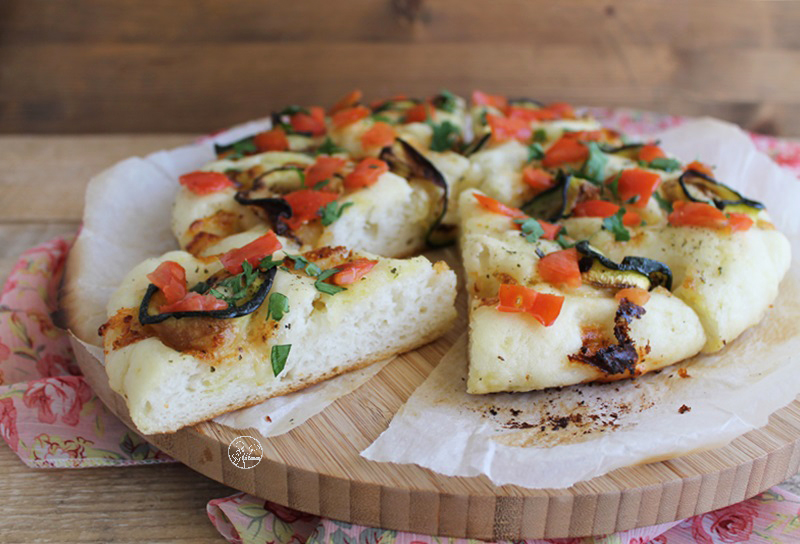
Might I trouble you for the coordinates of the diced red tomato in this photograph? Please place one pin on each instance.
(506, 128)
(170, 278)
(492, 100)
(595, 208)
(252, 253)
(543, 306)
(379, 135)
(305, 204)
(561, 267)
(515, 298)
(347, 101)
(537, 178)
(637, 182)
(700, 167)
(366, 173)
(696, 214)
(530, 115)
(633, 294)
(272, 140)
(550, 230)
(375, 104)
(194, 302)
(322, 169)
(353, 271)
(419, 113)
(562, 109)
(205, 183)
(590, 135)
(313, 122)
(631, 219)
(348, 116)
(650, 152)
(496, 206)
(565, 150)
(740, 221)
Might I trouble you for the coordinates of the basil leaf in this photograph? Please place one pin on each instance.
(332, 211)
(540, 135)
(563, 242)
(594, 167)
(531, 229)
(237, 149)
(664, 163)
(614, 224)
(663, 203)
(278, 357)
(329, 148)
(327, 288)
(378, 118)
(445, 136)
(266, 263)
(277, 305)
(291, 110)
(446, 101)
(535, 152)
(614, 186)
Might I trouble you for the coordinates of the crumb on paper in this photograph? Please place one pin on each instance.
(683, 373)
(683, 409)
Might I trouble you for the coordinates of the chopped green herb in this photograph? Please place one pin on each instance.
(540, 135)
(267, 262)
(327, 288)
(301, 262)
(278, 357)
(614, 186)
(531, 229)
(663, 203)
(235, 288)
(332, 211)
(594, 167)
(329, 148)
(563, 242)
(535, 152)
(665, 163)
(446, 101)
(237, 149)
(378, 118)
(320, 184)
(291, 110)
(482, 117)
(445, 136)
(614, 224)
(277, 305)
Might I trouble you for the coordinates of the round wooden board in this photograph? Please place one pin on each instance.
(316, 468)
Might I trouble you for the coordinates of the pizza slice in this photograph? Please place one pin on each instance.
(545, 316)
(188, 338)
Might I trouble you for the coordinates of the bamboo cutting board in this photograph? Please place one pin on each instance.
(316, 468)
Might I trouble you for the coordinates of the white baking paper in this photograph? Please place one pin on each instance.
(555, 438)
(126, 220)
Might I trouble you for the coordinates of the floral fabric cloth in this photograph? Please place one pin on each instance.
(50, 417)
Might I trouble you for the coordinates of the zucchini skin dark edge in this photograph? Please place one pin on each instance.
(720, 204)
(236, 311)
(658, 272)
(430, 173)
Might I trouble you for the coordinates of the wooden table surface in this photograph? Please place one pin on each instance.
(42, 181)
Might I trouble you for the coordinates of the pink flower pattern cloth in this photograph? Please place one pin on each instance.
(50, 417)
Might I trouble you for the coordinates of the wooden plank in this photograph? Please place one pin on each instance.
(145, 87)
(733, 22)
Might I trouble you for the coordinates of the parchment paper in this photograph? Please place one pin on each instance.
(554, 438)
(127, 219)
